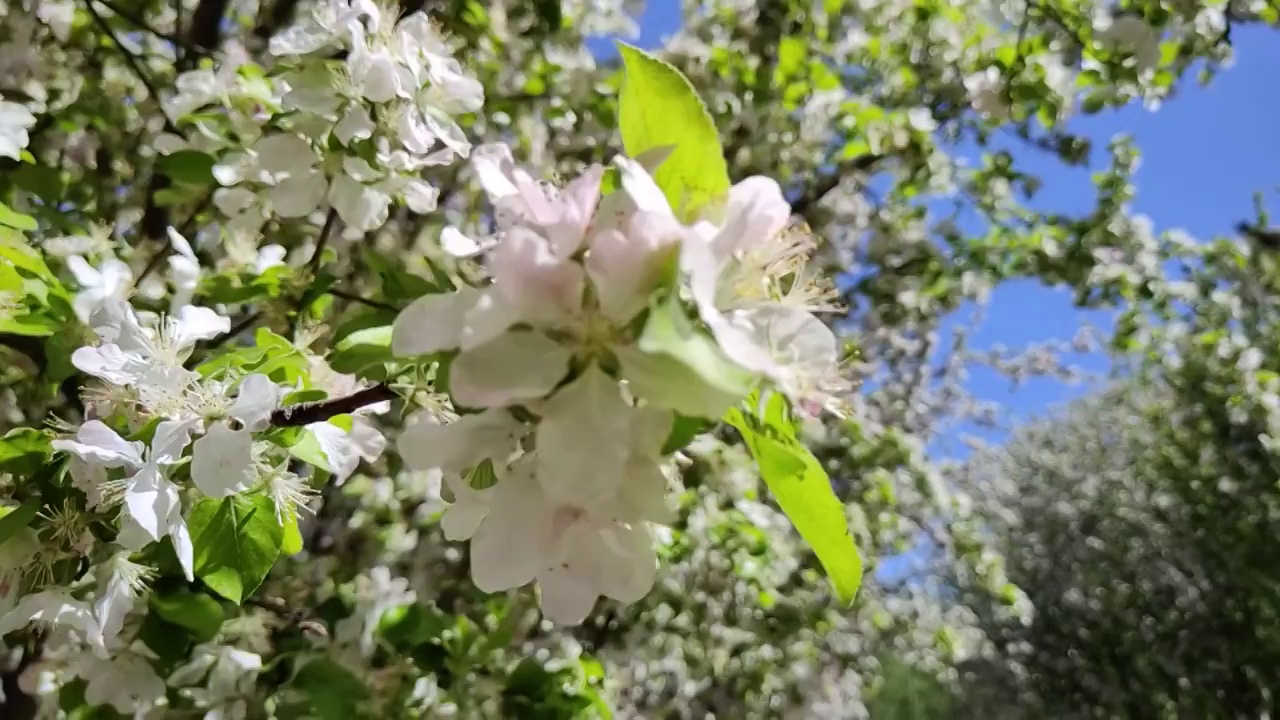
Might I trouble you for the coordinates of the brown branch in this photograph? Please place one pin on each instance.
(321, 410)
(352, 297)
(813, 195)
(330, 221)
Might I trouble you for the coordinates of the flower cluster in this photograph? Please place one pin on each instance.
(605, 318)
(161, 433)
(356, 132)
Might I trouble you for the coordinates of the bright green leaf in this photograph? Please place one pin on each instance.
(334, 691)
(802, 489)
(659, 108)
(197, 612)
(292, 541)
(237, 540)
(189, 167)
(23, 451)
(668, 332)
(15, 219)
(14, 519)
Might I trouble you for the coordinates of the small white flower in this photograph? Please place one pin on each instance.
(375, 594)
(184, 269)
(15, 120)
(112, 280)
(151, 502)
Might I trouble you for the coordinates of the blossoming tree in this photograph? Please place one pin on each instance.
(278, 285)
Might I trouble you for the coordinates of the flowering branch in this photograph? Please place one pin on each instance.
(321, 410)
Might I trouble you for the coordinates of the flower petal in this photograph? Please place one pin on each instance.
(432, 323)
(257, 398)
(514, 541)
(222, 461)
(583, 439)
(99, 445)
(460, 445)
(516, 366)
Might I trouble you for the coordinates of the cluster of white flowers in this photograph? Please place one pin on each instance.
(204, 425)
(15, 121)
(389, 107)
(606, 316)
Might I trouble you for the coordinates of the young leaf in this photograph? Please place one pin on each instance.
(334, 691)
(659, 108)
(237, 540)
(24, 450)
(189, 167)
(197, 612)
(686, 356)
(15, 219)
(801, 486)
(14, 519)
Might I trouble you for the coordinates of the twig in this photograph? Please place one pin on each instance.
(235, 330)
(364, 301)
(330, 221)
(132, 62)
(321, 410)
(175, 39)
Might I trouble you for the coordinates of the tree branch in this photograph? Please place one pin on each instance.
(330, 221)
(813, 195)
(321, 410)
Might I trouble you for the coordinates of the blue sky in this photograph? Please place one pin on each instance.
(1204, 154)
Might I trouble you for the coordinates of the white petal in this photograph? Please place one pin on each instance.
(285, 154)
(99, 445)
(171, 438)
(362, 207)
(355, 125)
(432, 323)
(459, 445)
(420, 196)
(514, 367)
(756, 212)
(527, 274)
(629, 574)
(180, 244)
(583, 439)
(565, 598)
(222, 461)
(110, 363)
(513, 543)
(149, 498)
(298, 195)
(337, 447)
(625, 268)
(461, 520)
(368, 441)
(456, 244)
(195, 323)
(493, 165)
(640, 187)
(257, 398)
(180, 536)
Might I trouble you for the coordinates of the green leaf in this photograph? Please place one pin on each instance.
(14, 519)
(23, 451)
(291, 544)
(362, 348)
(669, 334)
(683, 431)
(237, 540)
(197, 612)
(659, 108)
(14, 248)
(802, 489)
(303, 396)
(15, 219)
(189, 167)
(308, 450)
(334, 691)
